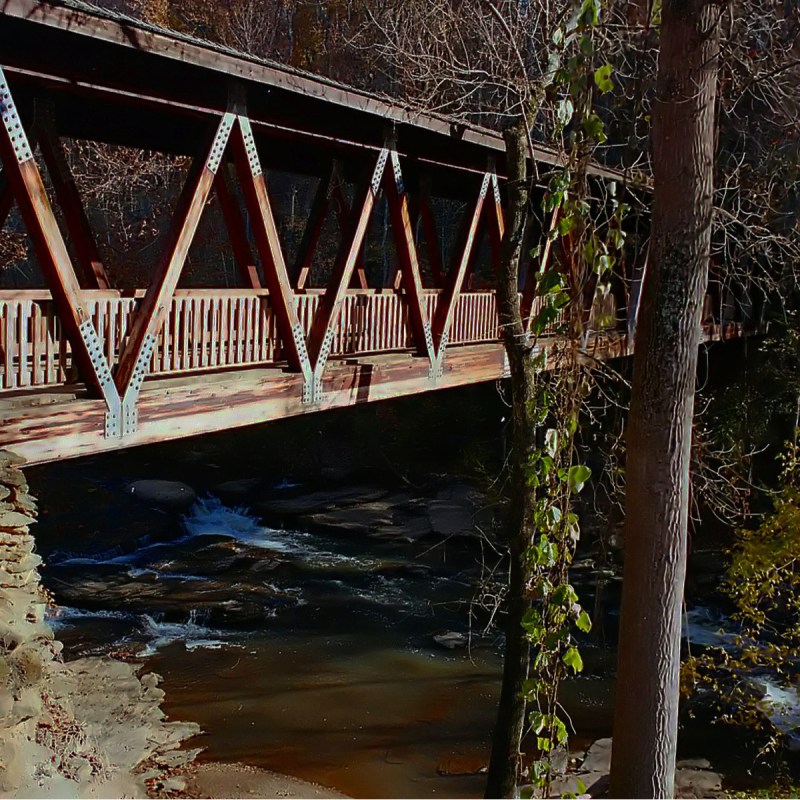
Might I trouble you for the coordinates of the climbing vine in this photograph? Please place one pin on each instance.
(588, 252)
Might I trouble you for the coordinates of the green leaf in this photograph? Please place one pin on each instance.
(602, 78)
(580, 786)
(577, 477)
(537, 720)
(572, 658)
(544, 744)
(560, 730)
(583, 623)
(543, 319)
(564, 595)
(590, 12)
(550, 281)
(593, 127)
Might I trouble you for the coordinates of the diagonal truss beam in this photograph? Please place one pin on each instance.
(637, 281)
(6, 198)
(134, 360)
(431, 239)
(27, 187)
(445, 308)
(314, 225)
(237, 230)
(411, 279)
(328, 192)
(532, 276)
(326, 319)
(69, 199)
(265, 232)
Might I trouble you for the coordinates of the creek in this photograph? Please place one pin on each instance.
(293, 611)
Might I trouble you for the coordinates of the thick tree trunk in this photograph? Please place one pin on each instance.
(662, 403)
(504, 766)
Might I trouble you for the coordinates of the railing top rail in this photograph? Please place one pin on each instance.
(116, 294)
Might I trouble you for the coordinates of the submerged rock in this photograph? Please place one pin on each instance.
(451, 640)
(463, 764)
(317, 502)
(237, 491)
(165, 495)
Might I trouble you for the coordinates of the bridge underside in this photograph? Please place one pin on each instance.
(51, 424)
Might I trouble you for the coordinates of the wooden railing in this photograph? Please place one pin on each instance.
(214, 329)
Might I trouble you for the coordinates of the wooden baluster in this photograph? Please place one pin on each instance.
(50, 339)
(9, 326)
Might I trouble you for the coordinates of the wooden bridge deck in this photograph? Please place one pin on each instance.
(87, 367)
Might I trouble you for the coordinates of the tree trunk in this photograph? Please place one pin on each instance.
(662, 403)
(504, 765)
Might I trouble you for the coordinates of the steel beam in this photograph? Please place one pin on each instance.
(327, 317)
(411, 279)
(28, 189)
(69, 199)
(237, 230)
(445, 309)
(134, 363)
(265, 231)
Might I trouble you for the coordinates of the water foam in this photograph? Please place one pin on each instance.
(209, 516)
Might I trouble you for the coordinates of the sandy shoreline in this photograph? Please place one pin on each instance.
(219, 780)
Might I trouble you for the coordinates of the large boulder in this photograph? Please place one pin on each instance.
(165, 495)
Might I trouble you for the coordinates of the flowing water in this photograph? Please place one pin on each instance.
(298, 651)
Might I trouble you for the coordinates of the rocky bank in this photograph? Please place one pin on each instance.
(91, 727)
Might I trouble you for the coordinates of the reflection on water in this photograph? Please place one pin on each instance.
(300, 652)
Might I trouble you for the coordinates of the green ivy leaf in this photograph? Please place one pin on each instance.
(544, 744)
(560, 730)
(572, 658)
(537, 720)
(550, 281)
(577, 477)
(593, 127)
(602, 78)
(590, 12)
(583, 623)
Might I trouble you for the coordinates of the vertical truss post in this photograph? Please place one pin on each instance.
(410, 277)
(454, 280)
(327, 317)
(237, 231)
(69, 198)
(265, 231)
(134, 363)
(26, 183)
